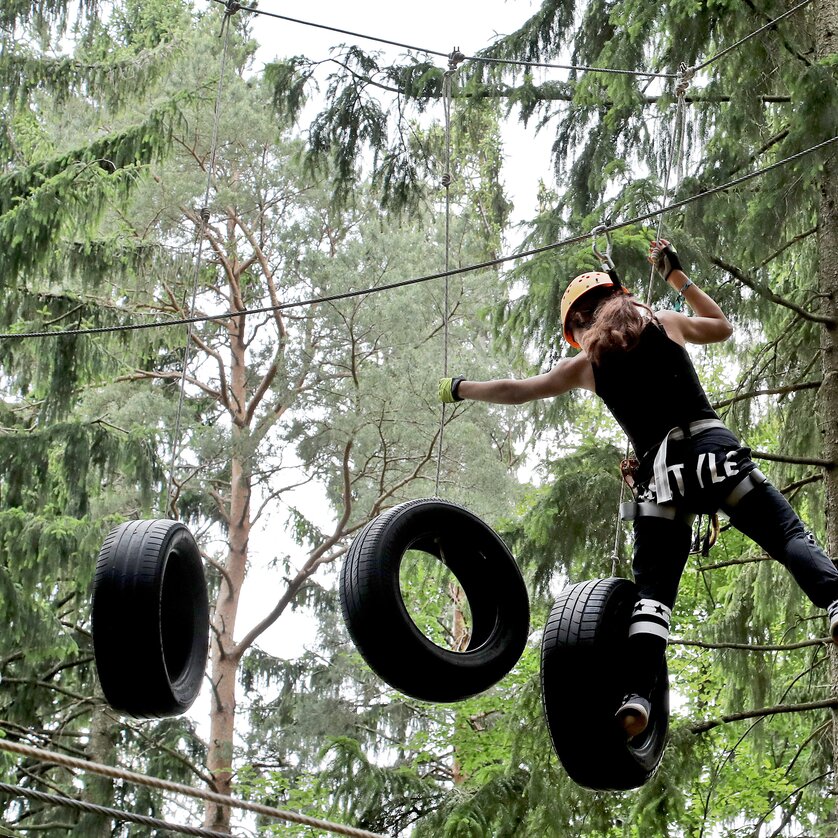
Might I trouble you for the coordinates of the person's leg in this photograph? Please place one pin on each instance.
(661, 549)
(765, 516)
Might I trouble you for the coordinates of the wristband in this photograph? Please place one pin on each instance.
(672, 258)
(686, 285)
(455, 388)
(448, 388)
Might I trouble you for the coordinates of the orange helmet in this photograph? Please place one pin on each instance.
(578, 287)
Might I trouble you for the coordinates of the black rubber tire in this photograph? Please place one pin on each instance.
(583, 676)
(150, 618)
(381, 627)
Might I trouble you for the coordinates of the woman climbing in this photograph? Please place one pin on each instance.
(635, 360)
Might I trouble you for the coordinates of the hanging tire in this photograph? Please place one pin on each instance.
(150, 618)
(583, 677)
(381, 627)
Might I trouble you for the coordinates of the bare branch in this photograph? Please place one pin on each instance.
(769, 391)
(709, 724)
(769, 295)
(751, 647)
(799, 461)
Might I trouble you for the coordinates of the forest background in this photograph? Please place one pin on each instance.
(115, 134)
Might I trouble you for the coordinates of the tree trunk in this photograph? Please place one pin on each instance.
(225, 656)
(826, 43)
(99, 790)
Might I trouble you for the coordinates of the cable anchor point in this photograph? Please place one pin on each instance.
(685, 76)
(230, 8)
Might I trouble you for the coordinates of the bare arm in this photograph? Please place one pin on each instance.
(567, 374)
(709, 325)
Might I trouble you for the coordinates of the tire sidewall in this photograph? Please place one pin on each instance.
(132, 627)
(584, 671)
(488, 574)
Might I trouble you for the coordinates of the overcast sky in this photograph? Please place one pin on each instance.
(432, 25)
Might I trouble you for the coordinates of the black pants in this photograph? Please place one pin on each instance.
(707, 469)
(661, 548)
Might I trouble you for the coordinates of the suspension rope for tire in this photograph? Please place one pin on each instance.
(226, 26)
(454, 58)
(179, 788)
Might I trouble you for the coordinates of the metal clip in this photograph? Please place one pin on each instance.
(454, 58)
(605, 259)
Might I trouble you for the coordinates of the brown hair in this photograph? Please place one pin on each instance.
(616, 324)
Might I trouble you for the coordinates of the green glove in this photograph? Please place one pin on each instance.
(448, 389)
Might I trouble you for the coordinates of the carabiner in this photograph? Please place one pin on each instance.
(604, 258)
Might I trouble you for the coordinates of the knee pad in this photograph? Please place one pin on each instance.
(650, 617)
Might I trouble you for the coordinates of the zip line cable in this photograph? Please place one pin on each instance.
(178, 788)
(116, 814)
(375, 39)
(205, 217)
(329, 298)
(753, 34)
(582, 68)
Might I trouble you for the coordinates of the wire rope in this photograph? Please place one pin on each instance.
(454, 57)
(116, 814)
(205, 217)
(178, 788)
(329, 298)
(726, 50)
(582, 68)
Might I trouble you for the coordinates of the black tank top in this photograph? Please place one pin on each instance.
(651, 389)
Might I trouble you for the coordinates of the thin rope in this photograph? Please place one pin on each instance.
(454, 58)
(578, 239)
(577, 67)
(178, 788)
(107, 811)
(748, 37)
(205, 217)
(676, 154)
(675, 159)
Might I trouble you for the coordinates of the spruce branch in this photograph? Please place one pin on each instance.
(710, 724)
(173, 753)
(547, 92)
(765, 292)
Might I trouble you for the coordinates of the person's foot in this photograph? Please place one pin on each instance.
(633, 715)
(832, 614)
